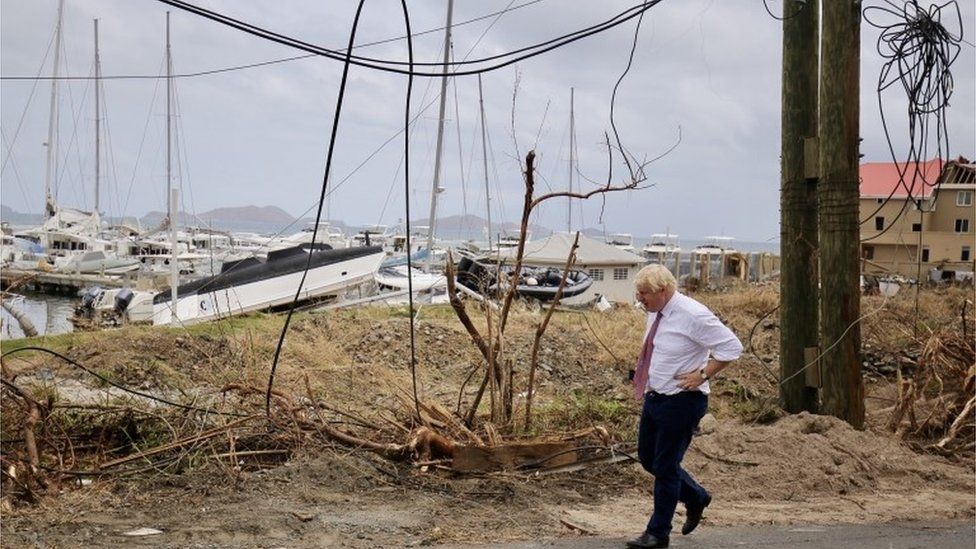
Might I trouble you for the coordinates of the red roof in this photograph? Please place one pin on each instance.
(880, 178)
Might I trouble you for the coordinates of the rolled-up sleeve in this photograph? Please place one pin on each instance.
(717, 337)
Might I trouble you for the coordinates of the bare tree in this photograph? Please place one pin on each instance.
(499, 370)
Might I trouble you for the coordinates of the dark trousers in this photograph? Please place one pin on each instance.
(666, 426)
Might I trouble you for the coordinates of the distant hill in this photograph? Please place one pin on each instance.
(224, 217)
(473, 227)
(15, 218)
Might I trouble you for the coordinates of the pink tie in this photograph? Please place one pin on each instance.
(642, 370)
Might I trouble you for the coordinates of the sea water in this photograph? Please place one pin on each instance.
(48, 313)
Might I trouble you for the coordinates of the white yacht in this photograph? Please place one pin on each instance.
(252, 284)
(661, 248)
(621, 241)
(715, 246)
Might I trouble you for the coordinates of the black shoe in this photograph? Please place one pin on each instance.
(695, 516)
(647, 541)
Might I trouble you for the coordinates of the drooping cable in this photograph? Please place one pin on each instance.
(118, 385)
(493, 62)
(406, 199)
(508, 9)
(803, 5)
(318, 213)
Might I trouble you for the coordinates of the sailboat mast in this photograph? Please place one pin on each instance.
(436, 189)
(98, 145)
(171, 196)
(52, 126)
(169, 122)
(572, 145)
(484, 155)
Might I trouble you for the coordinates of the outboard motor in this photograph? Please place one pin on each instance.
(122, 300)
(88, 298)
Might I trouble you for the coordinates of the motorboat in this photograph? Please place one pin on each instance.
(661, 248)
(100, 307)
(396, 277)
(253, 284)
(622, 241)
(98, 262)
(716, 246)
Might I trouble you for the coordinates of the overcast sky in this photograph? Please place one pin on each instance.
(707, 69)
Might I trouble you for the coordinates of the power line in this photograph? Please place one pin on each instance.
(494, 62)
(500, 60)
(508, 9)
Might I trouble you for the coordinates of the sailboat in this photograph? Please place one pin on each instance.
(65, 231)
(398, 274)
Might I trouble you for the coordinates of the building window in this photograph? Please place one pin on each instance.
(879, 223)
(596, 274)
(868, 252)
(964, 198)
(962, 225)
(621, 273)
(916, 227)
(880, 200)
(965, 254)
(925, 255)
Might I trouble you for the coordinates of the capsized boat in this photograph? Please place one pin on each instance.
(536, 282)
(396, 277)
(252, 284)
(99, 262)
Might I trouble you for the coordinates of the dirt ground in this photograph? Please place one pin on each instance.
(762, 466)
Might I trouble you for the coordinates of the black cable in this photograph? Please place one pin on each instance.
(584, 316)
(613, 100)
(752, 349)
(117, 385)
(503, 59)
(508, 9)
(920, 51)
(803, 5)
(318, 213)
(406, 199)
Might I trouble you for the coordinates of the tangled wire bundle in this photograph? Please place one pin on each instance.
(920, 51)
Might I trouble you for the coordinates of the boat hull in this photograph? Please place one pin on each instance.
(270, 284)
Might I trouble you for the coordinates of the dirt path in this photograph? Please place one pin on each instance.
(802, 470)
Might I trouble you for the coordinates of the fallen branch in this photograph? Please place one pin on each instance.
(210, 433)
(954, 428)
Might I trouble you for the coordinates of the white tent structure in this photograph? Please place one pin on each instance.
(611, 269)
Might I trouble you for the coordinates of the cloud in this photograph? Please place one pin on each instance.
(259, 136)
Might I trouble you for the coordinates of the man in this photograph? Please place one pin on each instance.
(685, 345)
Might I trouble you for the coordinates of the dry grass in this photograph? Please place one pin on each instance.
(356, 364)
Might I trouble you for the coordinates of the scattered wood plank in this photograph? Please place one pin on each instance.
(576, 527)
(507, 457)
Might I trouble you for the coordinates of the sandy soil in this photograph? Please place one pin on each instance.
(801, 469)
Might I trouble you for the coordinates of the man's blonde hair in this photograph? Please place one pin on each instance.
(655, 277)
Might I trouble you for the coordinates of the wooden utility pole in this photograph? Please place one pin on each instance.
(798, 202)
(837, 200)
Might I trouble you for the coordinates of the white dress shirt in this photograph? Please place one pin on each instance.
(687, 335)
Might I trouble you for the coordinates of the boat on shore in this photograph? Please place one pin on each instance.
(252, 284)
(621, 241)
(536, 282)
(661, 248)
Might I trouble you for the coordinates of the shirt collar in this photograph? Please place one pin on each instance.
(671, 305)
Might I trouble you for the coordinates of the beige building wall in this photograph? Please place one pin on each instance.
(890, 243)
(614, 282)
